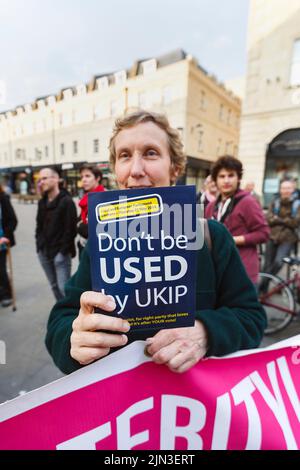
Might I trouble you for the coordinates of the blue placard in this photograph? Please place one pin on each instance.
(142, 250)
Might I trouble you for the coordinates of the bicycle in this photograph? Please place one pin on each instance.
(279, 297)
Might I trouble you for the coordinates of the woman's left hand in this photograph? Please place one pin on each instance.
(179, 348)
(4, 240)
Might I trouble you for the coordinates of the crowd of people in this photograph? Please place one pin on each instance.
(145, 151)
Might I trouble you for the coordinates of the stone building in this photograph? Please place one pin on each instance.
(270, 124)
(74, 126)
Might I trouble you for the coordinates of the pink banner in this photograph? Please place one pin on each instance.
(243, 401)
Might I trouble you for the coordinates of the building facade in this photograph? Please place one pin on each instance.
(270, 124)
(75, 125)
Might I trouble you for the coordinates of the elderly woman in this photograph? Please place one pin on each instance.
(146, 152)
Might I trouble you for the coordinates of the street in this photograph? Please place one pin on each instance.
(28, 364)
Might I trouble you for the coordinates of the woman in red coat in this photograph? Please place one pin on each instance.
(90, 177)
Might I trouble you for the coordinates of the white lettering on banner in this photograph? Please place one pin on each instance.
(87, 440)
(242, 392)
(222, 423)
(126, 441)
(289, 385)
(276, 403)
(169, 430)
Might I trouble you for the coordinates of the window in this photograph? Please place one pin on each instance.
(46, 151)
(219, 146)
(229, 117)
(96, 145)
(38, 154)
(74, 116)
(62, 149)
(75, 146)
(227, 147)
(114, 108)
(200, 139)
(60, 119)
(221, 112)
(18, 154)
(203, 100)
(295, 67)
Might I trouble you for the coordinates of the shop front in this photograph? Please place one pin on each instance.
(196, 172)
(282, 160)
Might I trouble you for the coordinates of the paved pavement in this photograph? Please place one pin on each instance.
(28, 364)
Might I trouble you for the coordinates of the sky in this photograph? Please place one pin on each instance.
(46, 45)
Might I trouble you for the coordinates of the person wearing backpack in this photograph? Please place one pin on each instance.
(284, 220)
(239, 211)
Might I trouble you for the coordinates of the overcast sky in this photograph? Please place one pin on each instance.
(46, 45)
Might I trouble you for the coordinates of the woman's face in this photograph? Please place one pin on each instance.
(89, 181)
(143, 158)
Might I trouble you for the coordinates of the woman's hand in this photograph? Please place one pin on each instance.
(179, 348)
(88, 344)
(4, 240)
(239, 240)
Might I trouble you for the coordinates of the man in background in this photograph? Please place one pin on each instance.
(55, 231)
(284, 219)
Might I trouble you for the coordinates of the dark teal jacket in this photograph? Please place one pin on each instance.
(226, 303)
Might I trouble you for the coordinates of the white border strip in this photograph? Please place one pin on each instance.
(121, 361)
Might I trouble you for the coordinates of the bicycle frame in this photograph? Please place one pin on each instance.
(263, 299)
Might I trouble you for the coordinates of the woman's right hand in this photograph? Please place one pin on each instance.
(87, 343)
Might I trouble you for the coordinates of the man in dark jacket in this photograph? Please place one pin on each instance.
(284, 219)
(8, 224)
(239, 212)
(55, 231)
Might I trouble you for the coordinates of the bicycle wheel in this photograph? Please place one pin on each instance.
(278, 302)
